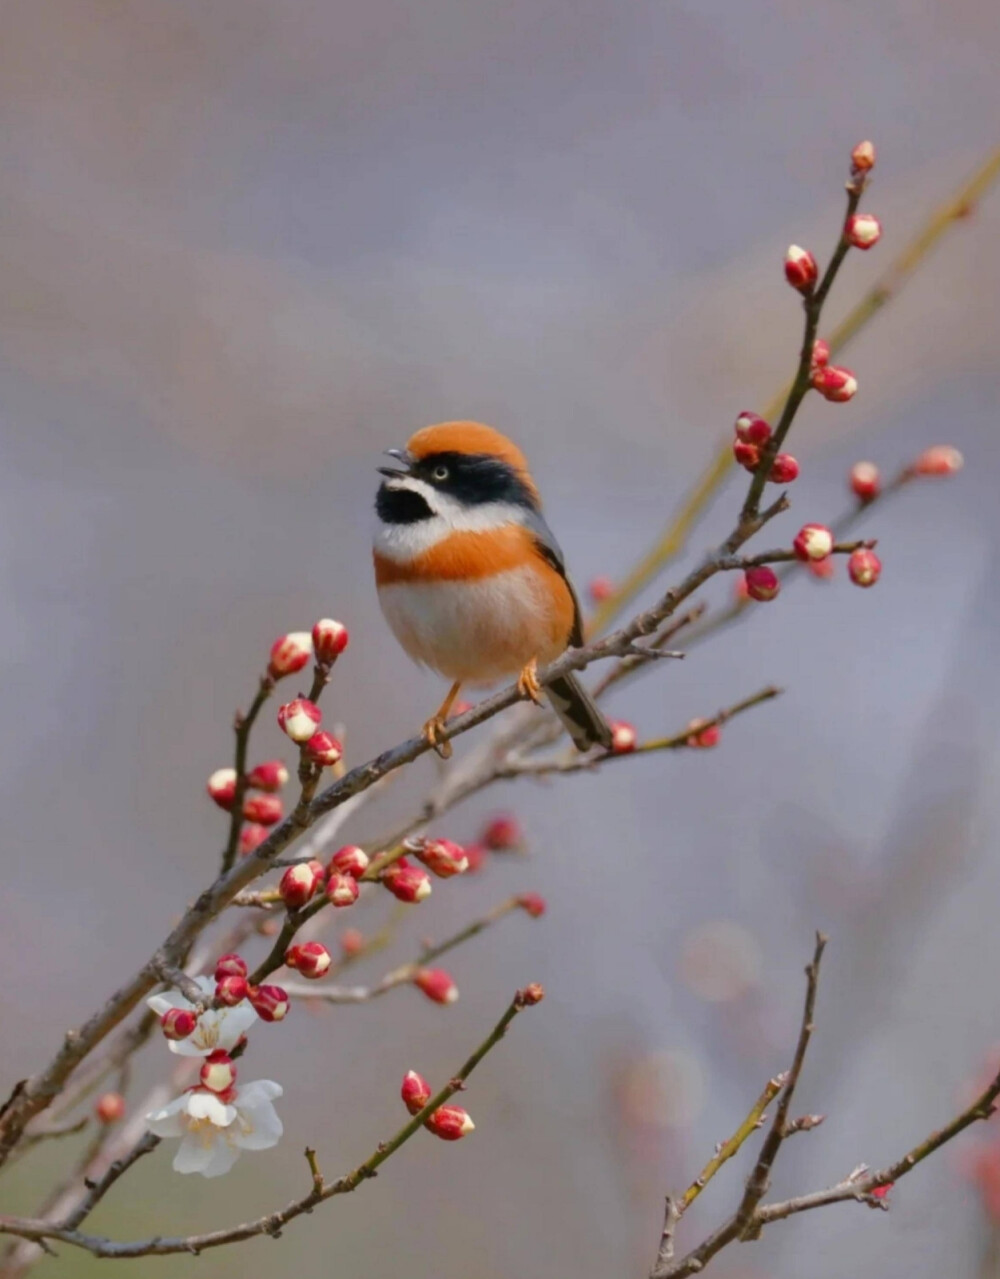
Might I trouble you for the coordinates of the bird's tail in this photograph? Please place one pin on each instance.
(578, 711)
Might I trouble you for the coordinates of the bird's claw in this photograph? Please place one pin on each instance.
(431, 733)
(528, 685)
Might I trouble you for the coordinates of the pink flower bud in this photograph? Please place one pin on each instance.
(231, 991)
(299, 718)
(323, 748)
(178, 1023)
(864, 567)
(624, 738)
(222, 787)
(863, 230)
(600, 589)
(230, 965)
(940, 459)
(863, 157)
(251, 836)
(269, 1002)
(475, 855)
(416, 1092)
(289, 654)
(813, 542)
(823, 569)
(533, 904)
(437, 985)
(352, 942)
(449, 1123)
(218, 1074)
(835, 383)
(110, 1107)
(329, 640)
(349, 860)
(762, 582)
(342, 890)
(746, 455)
(703, 738)
(503, 833)
(269, 776)
(407, 883)
(865, 481)
(740, 592)
(531, 995)
(881, 1192)
(821, 353)
(264, 809)
(440, 856)
(310, 958)
(801, 270)
(752, 429)
(784, 469)
(299, 883)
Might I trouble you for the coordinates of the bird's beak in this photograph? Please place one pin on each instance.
(403, 457)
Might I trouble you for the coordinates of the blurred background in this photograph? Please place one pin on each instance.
(246, 246)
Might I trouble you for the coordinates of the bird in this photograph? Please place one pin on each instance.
(470, 577)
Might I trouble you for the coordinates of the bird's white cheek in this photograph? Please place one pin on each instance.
(405, 542)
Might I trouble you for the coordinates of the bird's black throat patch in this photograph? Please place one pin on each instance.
(401, 506)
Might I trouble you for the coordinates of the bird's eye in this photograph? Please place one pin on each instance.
(440, 473)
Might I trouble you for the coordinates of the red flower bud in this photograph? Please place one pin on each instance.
(475, 855)
(289, 654)
(534, 904)
(416, 1092)
(269, 776)
(251, 836)
(940, 459)
(310, 958)
(352, 942)
(299, 718)
(323, 748)
(407, 883)
(329, 640)
(264, 809)
(821, 353)
(441, 856)
(813, 542)
(218, 1074)
(865, 481)
(230, 965)
(801, 270)
(110, 1107)
(299, 883)
(436, 985)
(349, 860)
(746, 455)
(449, 1123)
(600, 589)
(531, 995)
(270, 1002)
(863, 157)
(863, 230)
(703, 738)
(762, 582)
(784, 469)
(231, 991)
(342, 890)
(864, 567)
(835, 383)
(623, 736)
(222, 787)
(178, 1023)
(752, 429)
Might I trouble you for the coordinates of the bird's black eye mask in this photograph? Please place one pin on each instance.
(474, 479)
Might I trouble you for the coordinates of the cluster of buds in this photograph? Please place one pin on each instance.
(436, 984)
(406, 883)
(441, 856)
(624, 738)
(231, 980)
(310, 958)
(752, 434)
(447, 1122)
(703, 735)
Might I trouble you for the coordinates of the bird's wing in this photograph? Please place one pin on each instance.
(551, 551)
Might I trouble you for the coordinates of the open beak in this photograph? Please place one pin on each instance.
(404, 458)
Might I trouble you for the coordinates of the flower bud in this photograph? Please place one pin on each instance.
(813, 542)
(264, 809)
(110, 1107)
(940, 459)
(310, 958)
(299, 883)
(178, 1023)
(437, 985)
(407, 883)
(865, 481)
(299, 718)
(503, 833)
(801, 270)
(289, 654)
(475, 855)
(269, 776)
(751, 428)
(218, 1074)
(821, 353)
(762, 582)
(230, 965)
(352, 942)
(416, 1092)
(329, 640)
(323, 748)
(251, 836)
(703, 738)
(623, 736)
(746, 455)
(823, 569)
(531, 995)
(864, 567)
(835, 383)
(863, 230)
(222, 787)
(269, 1002)
(349, 860)
(881, 1192)
(449, 1123)
(533, 904)
(342, 890)
(441, 856)
(784, 469)
(863, 157)
(231, 990)
(600, 589)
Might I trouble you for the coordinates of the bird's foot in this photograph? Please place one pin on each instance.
(431, 732)
(527, 683)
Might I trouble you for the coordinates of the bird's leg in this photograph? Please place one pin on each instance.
(527, 682)
(432, 729)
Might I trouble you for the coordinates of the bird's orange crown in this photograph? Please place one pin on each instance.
(470, 437)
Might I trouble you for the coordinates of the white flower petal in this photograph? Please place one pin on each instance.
(206, 1105)
(257, 1127)
(187, 1048)
(224, 1156)
(256, 1091)
(163, 1003)
(235, 1022)
(195, 1152)
(169, 1121)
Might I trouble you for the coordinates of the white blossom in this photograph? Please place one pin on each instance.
(215, 1128)
(217, 1027)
